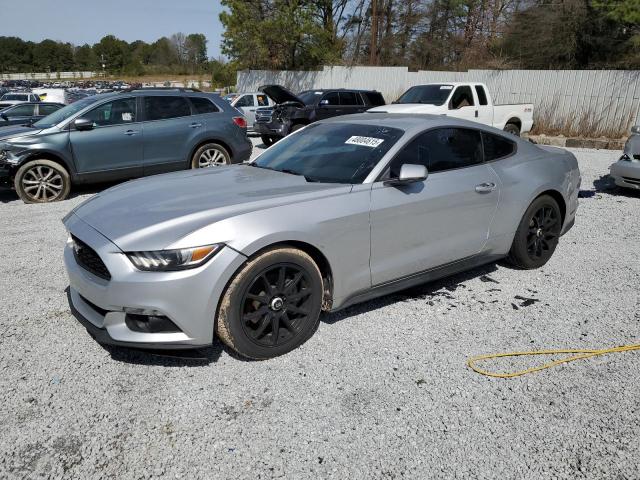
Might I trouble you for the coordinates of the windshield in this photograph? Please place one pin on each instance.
(331, 152)
(10, 96)
(429, 94)
(65, 112)
(310, 97)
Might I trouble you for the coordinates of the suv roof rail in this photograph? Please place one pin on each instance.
(174, 89)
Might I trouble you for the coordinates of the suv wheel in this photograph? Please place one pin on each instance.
(267, 140)
(210, 155)
(272, 305)
(512, 129)
(42, 181)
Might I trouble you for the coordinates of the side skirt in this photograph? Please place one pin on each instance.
(419, 278)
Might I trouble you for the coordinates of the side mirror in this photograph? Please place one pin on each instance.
(82, 124)
(409, 173)
(635, 129)
(4, 116)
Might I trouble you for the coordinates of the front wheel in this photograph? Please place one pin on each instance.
(272, 305)
(538, 233)
(267, 140)
(210, 155)
(42, 181)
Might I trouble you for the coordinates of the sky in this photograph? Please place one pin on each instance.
(87, 21)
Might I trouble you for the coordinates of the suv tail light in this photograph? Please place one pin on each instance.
(240, 121)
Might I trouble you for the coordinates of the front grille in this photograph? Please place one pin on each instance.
(264, 116)
(88, 259)
(635, 181)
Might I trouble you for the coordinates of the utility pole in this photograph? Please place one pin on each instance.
(373, 51)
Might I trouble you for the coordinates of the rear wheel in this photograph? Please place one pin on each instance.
(513, 129)
(210, 155)
(538, 233)
(272, 305)
(42, 181)
(267, 140)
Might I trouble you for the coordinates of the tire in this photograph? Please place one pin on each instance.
(512, 128)
(267, 140)
(210, 155)
(261, 321)
(538, 233)
(42, 181)
(297, 127)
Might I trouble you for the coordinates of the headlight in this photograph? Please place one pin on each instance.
(171, 260)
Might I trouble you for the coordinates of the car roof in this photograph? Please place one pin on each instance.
(338, 90)
(409, 122)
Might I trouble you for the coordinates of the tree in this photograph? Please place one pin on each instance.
(113, 52)
(85, 58)
(196, 51)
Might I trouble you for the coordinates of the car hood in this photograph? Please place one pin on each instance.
(407, 108)
(15, 131)
(155, 212)
(280, 94)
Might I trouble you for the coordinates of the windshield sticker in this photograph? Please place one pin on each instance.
(365, 141)
(446, 87)
(127, 117)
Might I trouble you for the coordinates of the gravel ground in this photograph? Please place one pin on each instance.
(380, 391)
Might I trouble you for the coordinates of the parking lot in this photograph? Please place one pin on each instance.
(380, 391)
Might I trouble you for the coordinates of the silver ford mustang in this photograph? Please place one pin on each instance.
(342, 211)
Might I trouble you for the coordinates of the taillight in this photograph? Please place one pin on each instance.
(240, 121)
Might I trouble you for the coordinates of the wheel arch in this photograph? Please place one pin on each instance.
(46, 155)
(558, 197)
(316, 255)
(514, 121)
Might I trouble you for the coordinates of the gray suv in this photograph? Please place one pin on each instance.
(119, 136)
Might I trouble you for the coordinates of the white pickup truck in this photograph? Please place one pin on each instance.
(470, 101)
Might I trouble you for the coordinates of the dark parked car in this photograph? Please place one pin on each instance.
(117, 136)
(293, 112)
(25, 113)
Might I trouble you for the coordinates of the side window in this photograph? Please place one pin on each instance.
(441, 149)
(245, 101)
(162, 108)
(203, 105)
(116, 112)
(496, 147)
(21, 111)
(263, 101)
(482, 97)
(48, 109)
(332, 98)
(350, 98)
(462, 97)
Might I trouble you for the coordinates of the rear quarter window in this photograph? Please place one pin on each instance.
(203, 105)
(374, 99)
(496, 147)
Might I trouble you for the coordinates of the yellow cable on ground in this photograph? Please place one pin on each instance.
(579, 355)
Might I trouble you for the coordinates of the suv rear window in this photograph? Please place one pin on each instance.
(203, 105)
(161, 107)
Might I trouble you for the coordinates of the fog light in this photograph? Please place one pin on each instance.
(150, 323)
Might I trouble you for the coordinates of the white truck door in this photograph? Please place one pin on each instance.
(462, 104)
(484, 107)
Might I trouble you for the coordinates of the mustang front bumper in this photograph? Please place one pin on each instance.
(187, 298)
(626, 173)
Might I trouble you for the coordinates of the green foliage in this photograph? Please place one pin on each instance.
(278, 34)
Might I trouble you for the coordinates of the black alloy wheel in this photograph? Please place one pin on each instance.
(543, 232)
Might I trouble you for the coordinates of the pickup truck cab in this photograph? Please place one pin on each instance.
(469, 101)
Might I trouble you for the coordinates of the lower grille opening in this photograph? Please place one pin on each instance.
(150, 324)
(635, 181)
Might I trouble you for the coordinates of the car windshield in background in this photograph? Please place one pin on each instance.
(64, 113)
(429, 94)
(331, 152)
(310, 97)
(15, 97)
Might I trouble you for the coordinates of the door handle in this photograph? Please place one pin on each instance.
(476, 113)
(486, 187)
(195, 125)
(129, 133)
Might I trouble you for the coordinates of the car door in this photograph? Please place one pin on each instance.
(423, 225)
(247, 105)
(329, 106)
(485, 111)
(462, 104)
(168, 132)
(113, 147)
(17, 115)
